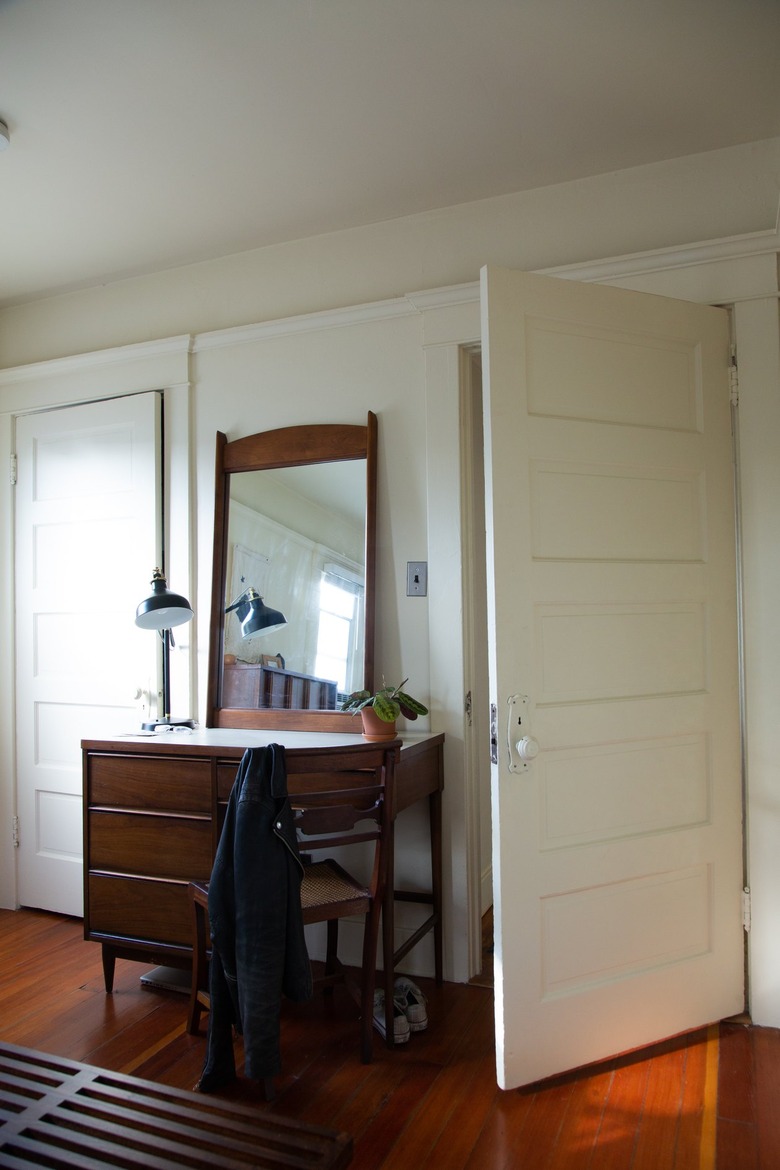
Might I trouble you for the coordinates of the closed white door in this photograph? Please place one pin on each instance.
(614, 670)
(86, 541)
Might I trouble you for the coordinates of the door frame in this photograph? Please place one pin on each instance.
(131, 369)
(738, 273)
(48, 790)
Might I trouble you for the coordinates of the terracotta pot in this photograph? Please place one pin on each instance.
(375, 728)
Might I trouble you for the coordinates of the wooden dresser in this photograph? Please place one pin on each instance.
(153, 808)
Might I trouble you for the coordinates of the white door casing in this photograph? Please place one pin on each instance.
(86, 539)
(612, 627)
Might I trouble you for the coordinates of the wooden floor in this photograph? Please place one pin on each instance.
(709, 1100)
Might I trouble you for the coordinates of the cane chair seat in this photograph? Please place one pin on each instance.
(325, 884)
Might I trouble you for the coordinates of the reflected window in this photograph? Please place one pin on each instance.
(341, 600)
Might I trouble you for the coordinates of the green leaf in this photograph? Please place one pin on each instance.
(413, 704)
(386, 708)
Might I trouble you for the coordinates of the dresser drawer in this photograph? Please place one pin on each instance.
(150, 843)
(157, 783)
(140, 909)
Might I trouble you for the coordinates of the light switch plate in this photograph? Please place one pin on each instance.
(416, 578)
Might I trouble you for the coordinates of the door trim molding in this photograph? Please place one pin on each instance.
(101, 359)
(620, 268)
(126, 370)
(744, 264)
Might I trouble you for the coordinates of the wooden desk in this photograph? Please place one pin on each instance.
(57, 1112)
(152, 820)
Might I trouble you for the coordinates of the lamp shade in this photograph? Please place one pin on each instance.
(163, 609)
(255, 616)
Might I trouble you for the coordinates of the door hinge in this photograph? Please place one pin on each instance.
(733, 377)
(14, 470)
(15, 832)
(467, 707)
(746, 909)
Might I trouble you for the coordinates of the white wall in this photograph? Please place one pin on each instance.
(704, 197)
(398, 356)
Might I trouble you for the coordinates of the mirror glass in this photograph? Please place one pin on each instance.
(292, 620)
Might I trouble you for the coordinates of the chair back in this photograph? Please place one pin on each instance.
(343, 796)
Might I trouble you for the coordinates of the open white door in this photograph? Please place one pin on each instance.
(86, 542)
(613, 633)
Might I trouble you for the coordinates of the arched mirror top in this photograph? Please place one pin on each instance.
(292, 615)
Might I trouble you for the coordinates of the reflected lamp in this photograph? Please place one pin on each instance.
(254, 616)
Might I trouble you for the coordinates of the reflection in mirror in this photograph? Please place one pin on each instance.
(255, 616)
(292, 619)
(296, 552)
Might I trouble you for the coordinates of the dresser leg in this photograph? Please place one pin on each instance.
(109, 963)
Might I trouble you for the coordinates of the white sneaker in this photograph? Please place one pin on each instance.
(413, 1003)
(401, 1028)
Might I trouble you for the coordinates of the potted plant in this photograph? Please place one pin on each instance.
(380, 709)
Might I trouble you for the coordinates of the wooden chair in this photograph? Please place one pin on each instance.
(341, 797)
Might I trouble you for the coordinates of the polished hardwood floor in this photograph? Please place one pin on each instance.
(709, 1101)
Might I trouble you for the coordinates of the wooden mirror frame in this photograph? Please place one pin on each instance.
(287, 447)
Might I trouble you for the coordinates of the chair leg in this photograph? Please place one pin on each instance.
(367, 984)
(331, 954)
(193, 1011)
(199, 985)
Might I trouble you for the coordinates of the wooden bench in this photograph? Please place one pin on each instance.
(57, 1112)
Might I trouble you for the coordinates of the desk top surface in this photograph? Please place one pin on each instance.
(212, 739)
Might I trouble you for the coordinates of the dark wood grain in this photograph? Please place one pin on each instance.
(433, 1102)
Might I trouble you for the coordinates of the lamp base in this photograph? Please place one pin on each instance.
(162, 724)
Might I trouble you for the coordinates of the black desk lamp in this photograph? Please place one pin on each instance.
(160, 611)
(255, 616)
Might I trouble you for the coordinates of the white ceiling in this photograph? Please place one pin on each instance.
(146, 134)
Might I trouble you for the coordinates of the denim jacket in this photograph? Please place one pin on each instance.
(258, 946)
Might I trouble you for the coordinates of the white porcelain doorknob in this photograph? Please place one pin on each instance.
(527, 748)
